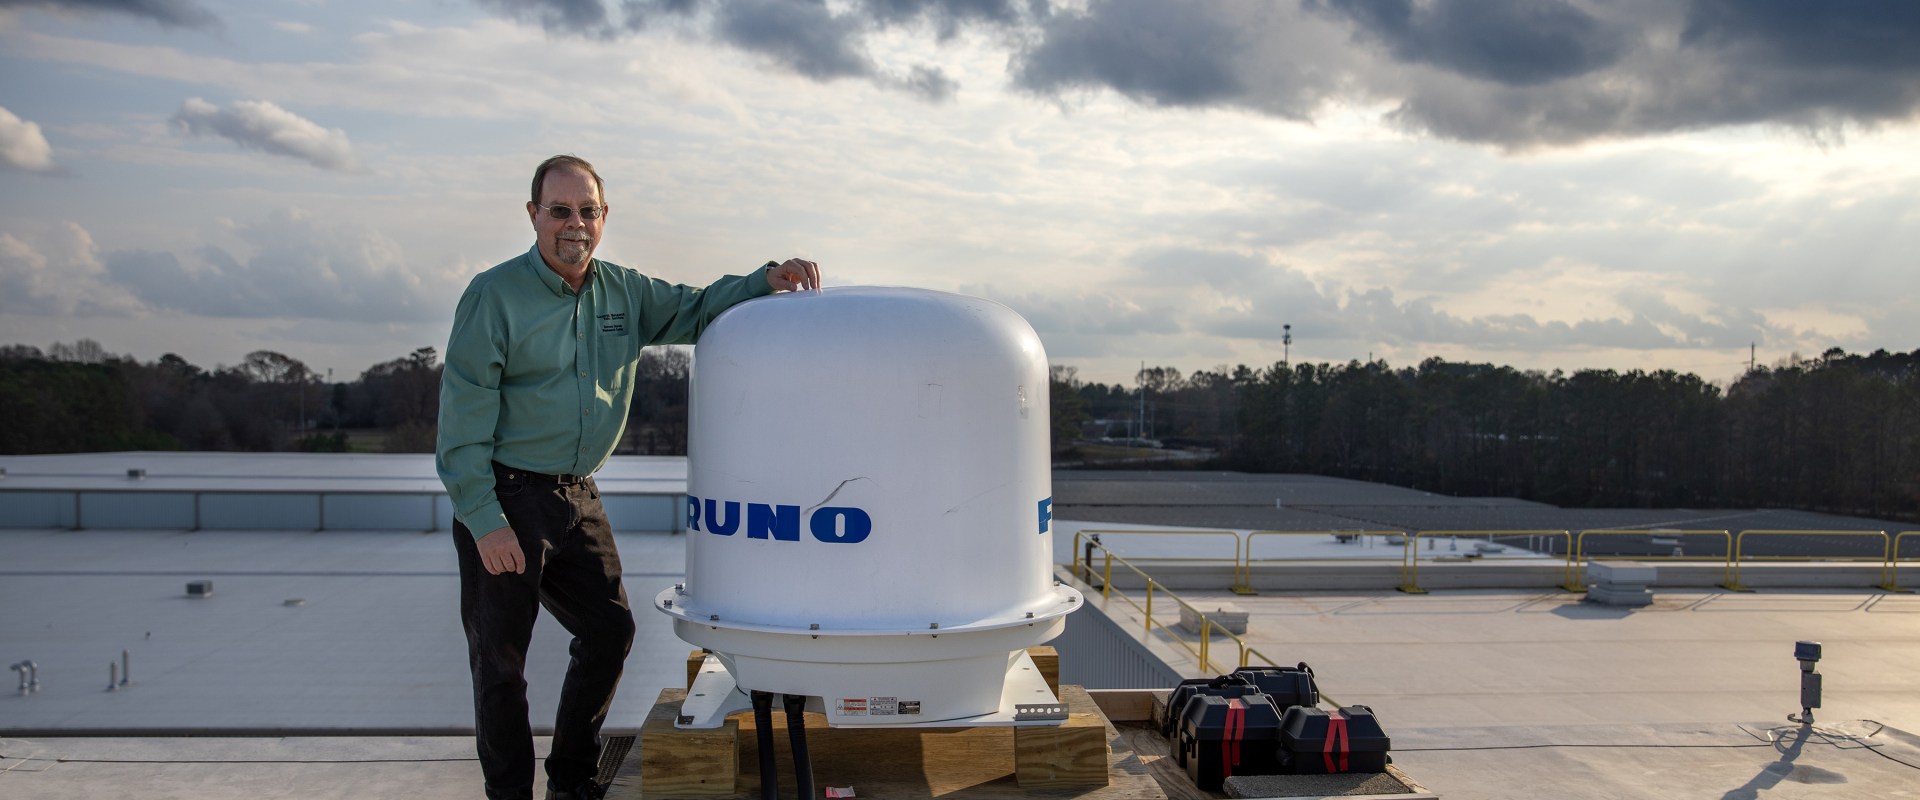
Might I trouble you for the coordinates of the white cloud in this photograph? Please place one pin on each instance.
(21, 145)
(290, 266)
(293, 27)
(56, 271)
(263, 126)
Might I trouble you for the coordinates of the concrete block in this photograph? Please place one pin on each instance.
(1625, 598)
(1621, 572)
(1226, 615)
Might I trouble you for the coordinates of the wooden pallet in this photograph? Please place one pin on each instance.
(1085, 757)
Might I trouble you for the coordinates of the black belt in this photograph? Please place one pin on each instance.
(540, 477)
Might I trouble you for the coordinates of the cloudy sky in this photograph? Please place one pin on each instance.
(1545, 183)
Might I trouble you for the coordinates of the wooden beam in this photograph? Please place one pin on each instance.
(685, 763)
(983, 763)
(1129, 705)
(1074, 754)
(1047, 661)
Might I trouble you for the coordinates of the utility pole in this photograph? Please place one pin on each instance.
(1140, 393)
(1752, 348)
(1286, 344)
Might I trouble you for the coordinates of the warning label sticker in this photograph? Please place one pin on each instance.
(876, 706)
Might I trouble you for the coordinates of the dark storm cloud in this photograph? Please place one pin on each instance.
(1152, 51)
(1516, 74)
(591, 17)
(1521, 42)
(803, 36)
(1847, 34)
(946, 17)
(175, 13)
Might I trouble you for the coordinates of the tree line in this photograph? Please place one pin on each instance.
(79, 398)
(1838, 433)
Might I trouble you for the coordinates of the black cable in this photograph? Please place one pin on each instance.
(1875, 749)
(796, 706)
(763, 736)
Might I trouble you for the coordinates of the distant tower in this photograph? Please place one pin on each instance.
(1286, 344)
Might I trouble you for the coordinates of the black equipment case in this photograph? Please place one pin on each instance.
(1225, 736)
(1288, 686)
(1318, 742)
(1223, 686)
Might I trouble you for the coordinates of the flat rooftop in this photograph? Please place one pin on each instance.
(332, 662)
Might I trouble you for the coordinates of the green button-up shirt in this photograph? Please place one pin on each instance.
(539, 377)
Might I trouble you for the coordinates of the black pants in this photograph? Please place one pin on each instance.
(574, 570)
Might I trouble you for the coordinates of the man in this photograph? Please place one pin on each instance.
(539, 372)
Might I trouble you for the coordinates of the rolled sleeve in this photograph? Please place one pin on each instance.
(677, 314)
(469, 412)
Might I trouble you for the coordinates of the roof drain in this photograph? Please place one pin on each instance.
(763, 736)
(29, 676)
(796, 705)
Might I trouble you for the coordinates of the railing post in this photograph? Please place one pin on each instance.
(1892, 583)
(1242, 570)
(1410, 566)
(1573, 582)
(1733, 556)
(1728, 570)
(1149, 614)
(1106, 578)
(1206, 642)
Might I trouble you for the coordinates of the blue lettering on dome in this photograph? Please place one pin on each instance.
(781, 522)
(730, 524)
(1046, 514)
(841, 525)
(833, 525)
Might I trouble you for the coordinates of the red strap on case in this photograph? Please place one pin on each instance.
(1336, 732)
(1236, 729)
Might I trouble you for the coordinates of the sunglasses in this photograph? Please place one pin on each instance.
(566, 212)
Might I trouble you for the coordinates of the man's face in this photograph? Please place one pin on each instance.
(566, 242)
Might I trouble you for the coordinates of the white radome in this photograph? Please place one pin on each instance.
(869, 500)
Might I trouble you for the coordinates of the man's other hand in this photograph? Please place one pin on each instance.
(793, 275)
(500, 552)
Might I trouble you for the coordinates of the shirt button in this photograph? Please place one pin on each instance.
(585, 411)
(583, 373)
(579, 336)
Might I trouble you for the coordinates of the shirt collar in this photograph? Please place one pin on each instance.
(552, 279)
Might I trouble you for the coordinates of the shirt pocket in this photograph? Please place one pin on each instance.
(615, 345)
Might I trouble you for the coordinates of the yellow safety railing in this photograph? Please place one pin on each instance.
(1202, 651)
(1885, 544)
(1239, 581)
(1892, 583)
(1727, 577)
(1246, 570)
(1410, 558)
